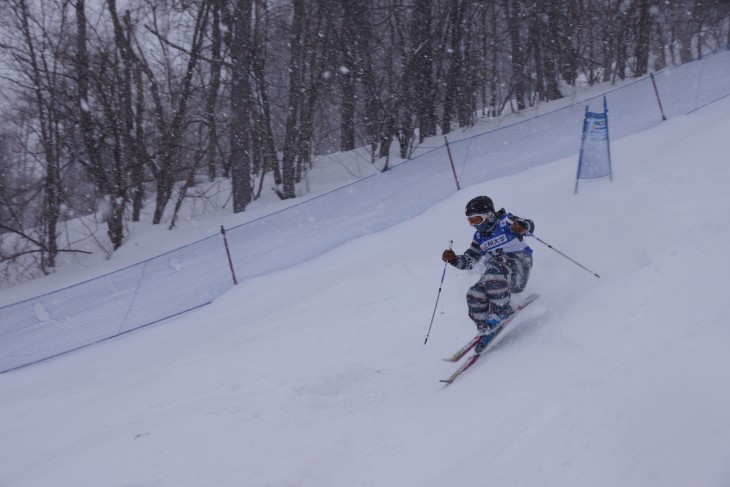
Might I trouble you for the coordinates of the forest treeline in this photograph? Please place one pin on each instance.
(110, 105)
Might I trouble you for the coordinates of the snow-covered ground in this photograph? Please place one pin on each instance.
(318, 375)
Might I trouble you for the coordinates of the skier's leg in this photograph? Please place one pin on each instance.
(519, 264)
(490, 293)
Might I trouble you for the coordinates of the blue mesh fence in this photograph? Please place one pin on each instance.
(194, 275)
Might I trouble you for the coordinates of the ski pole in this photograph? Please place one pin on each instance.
(556, 250)
(443, 274)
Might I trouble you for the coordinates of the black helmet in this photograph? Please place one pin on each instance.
(479, 206)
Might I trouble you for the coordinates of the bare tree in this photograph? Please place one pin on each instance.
(424, 95)
(643, 29)
(113, 134)
(38, 61)
(515, 16)
(241, 105)
(169, 120)
(214, 86)
(296, 115)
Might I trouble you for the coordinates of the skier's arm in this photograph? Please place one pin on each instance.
(465, 261)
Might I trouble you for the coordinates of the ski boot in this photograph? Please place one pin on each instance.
(490, 328)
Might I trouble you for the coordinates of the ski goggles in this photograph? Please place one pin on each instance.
(479, 218)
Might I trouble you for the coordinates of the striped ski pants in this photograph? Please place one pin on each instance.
(504, 274)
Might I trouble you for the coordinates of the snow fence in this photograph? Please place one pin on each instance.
(192, 276)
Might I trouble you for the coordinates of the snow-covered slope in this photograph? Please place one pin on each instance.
(318, 376)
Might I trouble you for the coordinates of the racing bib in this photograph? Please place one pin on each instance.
(493, 242)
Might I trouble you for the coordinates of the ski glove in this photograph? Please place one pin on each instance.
(448, 256)
(518, 228)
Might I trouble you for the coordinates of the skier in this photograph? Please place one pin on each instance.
(499, 236)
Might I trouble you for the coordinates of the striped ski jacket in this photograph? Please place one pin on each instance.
(496, 240)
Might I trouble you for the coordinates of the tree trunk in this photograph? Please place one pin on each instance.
(454, 73)
(424, 95)
(347, 110)
(138, 164)
(643, 38)
(43, 87)
(213, 88)
(513, 9)
(242, 187)
(296, 93)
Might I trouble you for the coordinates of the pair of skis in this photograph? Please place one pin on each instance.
(472, 343)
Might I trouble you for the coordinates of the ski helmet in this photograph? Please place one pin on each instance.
(479, 206)
(480, 213)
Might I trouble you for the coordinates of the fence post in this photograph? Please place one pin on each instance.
(228, 253)
(451, 160)
(661, 109)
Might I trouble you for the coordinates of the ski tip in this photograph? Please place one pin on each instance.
(446, 381)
